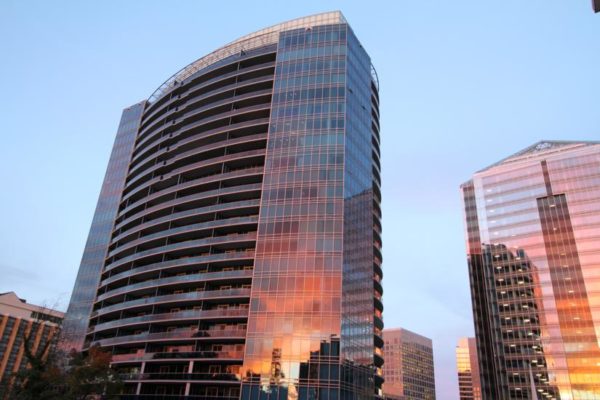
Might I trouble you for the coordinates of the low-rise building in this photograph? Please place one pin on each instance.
(21, 322)
(408, 370)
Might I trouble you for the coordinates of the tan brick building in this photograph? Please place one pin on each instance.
(18, 320)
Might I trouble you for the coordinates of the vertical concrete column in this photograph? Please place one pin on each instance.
(187, 385)
(139, 385)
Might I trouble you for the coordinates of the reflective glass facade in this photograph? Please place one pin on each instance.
(467, 366)
(533, 223)
(244, 260)
(77, 318)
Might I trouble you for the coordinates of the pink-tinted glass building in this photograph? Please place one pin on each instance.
(467, 366)
(236, 247)
(533, 247)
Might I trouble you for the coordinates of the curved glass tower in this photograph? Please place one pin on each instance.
(236, 246)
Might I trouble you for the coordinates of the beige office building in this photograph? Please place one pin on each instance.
(18, 320)
(408, 369)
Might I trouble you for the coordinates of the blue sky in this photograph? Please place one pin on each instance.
(463, 84)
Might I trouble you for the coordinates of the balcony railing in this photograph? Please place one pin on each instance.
(186, 355)
(172, 335)
(189, 296)
(174, 397)
(194, 376)
(203, 276)
(205, 242)
(205, 258)
(122, 221)
(184, 229)
(178, 262)
(181, 315)
(188, 184)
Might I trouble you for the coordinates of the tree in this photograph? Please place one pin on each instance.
(84, 377)
(90, 376)
(41, 377)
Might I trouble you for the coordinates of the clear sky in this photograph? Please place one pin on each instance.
(463, 84)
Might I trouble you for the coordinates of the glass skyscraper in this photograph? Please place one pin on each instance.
(467, 366)
(533, 244)
(235, 251)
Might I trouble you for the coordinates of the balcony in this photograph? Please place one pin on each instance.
(186, 110)
(187, 355)
(179, 246)
(218, 177)
(194, 376)
(199, 277)
(179, 334)
(139, 165)
(198, 90)
(177, 297)
(133, 194)
(186, 244)
(202, 226)
(177, 156)
(124, 219)
(174, 397)
(151, 130)
(203, 259)
(236, 313)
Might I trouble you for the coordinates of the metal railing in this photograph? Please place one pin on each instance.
(188, 314)
(171, 335)
(254, 40)
(189, 296)
(141, 356)
(194, 376)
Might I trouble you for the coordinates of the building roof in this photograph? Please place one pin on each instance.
(541, 149)
(13, 305)
(407, 336)
(253, 40)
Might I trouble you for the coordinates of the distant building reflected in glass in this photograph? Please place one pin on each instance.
(533, 243)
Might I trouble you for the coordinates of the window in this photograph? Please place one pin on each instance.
(212, 391)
